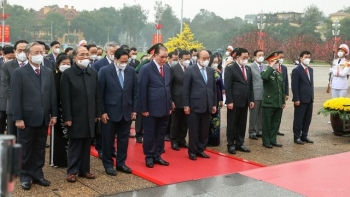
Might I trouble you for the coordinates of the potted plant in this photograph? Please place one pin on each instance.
(339, 111)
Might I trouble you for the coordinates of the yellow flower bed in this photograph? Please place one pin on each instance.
(337, 104)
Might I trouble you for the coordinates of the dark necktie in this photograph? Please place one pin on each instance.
(243, 72)
(21, 64)
(37, 71)
(161, 71)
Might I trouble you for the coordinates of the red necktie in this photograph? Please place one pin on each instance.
(307, 72)
(37, 71)
(161, 71)
(243, 72)
(279, 69)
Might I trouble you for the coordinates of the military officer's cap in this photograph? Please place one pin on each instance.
(272, 56)
(153, 48)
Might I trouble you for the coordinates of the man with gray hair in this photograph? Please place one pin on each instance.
(34, 105)
(110, 49)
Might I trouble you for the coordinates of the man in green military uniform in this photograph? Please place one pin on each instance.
(273, 101)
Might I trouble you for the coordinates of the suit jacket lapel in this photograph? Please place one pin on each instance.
(33, 76)
(114, 74)
(199, 73)
(43, 78)
(179, 68)
(239, 69)
(155, 69)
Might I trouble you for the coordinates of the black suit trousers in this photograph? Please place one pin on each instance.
(139, 125)
(178, 131)
(236, 125)
(198, 125)
(302, 120)
(153, 136)
(2, 122)
(79, 155)
(109, 130)
(33, 141)
(11, 125)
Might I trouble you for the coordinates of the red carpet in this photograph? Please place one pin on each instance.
(322, 176)
(181, 168)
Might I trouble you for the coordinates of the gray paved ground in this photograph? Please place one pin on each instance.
(325, 144)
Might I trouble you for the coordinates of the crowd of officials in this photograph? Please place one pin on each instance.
(87, 99)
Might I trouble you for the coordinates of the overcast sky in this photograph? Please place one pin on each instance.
(223, 8)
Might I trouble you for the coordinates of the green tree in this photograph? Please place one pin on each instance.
(345, 29)
(171, 24)
(133, 20)
(59, 25)
(22, 22)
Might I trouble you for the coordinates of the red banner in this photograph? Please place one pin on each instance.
(7, 34)
(157, 38)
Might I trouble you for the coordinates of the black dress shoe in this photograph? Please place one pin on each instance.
(253, 137)
(175, 147)
(167, 138)
(258, 135)
(124, 169)
(183, 145)
(279, 133)
(231, 150)
(139, 139)
(243, 149)
(192, 156)
(298, 141)
(26, 185)
(307, 140)
(100, 155)
(114, 154)
(111, 172)
(42, 182)
(47, 145)
(203, 155)
(161, 162)
(277, 145)
(267, 145)
(149, 164)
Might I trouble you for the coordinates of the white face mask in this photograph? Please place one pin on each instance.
(21, 56)
(98, 57)
(204, 63)
(57, 50)
(122, 66)
(133, 57)
(260, 59)
(340, 54)
(83, 63)
(306, 61)
(243, 62)
(63, 67)
(194, 58)
(281, 61)
(37, 59)
(93, 57)
(111, 57)
(227, 53)
(186, 63)
(214, 66)
(173, 63)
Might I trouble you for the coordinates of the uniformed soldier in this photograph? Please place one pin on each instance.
(339, 73)
(273, 101)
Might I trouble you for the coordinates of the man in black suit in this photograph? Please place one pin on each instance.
(34, 104)
(133, 62)
(303, 98)
(8, 55)
(239, 96)
(155, 105)
(194, 54)
(81, 109)
(118, 93)
(282, 68)
(179, 127)
(6, 73)
(199, 98)
(110, 48)
(55, 50)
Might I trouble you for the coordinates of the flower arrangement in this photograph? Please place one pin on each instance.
(336, 107)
